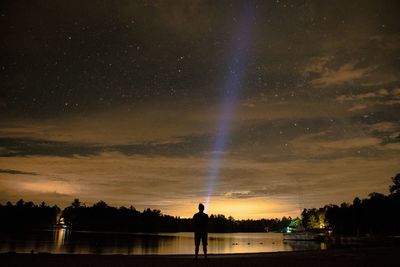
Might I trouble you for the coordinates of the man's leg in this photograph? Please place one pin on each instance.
(197, 245)
(204, 242)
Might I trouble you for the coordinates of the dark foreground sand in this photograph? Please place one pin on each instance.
(389, 256)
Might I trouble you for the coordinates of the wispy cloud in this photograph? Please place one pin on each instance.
(320, 144)
(181, 146)
(365, 100)
(8, 171)
(346, 73)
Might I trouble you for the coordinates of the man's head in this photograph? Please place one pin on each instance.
(201, 207)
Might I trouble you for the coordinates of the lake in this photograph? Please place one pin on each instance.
(81, 242)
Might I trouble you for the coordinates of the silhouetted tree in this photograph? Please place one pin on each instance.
(27, 215)
(76, 203)
(376, 215)
(395, 187)
(102, 217)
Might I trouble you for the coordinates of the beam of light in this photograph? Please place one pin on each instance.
(231, 88)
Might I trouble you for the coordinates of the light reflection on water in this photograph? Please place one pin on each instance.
(66, 241)
(59, 236)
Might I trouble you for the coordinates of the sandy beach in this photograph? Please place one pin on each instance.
(379, 256)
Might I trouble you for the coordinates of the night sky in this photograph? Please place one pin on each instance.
(264, 107)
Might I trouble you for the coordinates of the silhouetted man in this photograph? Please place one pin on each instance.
(200, 230)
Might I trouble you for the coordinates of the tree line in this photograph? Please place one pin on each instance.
(378, 214)
(102, 217)
(25, 215)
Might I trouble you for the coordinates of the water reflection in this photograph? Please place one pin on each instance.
(60, 236)
(65, 241)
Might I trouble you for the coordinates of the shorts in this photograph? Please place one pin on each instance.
(202, 237)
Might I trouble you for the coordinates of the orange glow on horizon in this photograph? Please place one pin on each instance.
(251, 208)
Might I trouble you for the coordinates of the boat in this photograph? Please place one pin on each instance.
(300, 234)
(304, 236)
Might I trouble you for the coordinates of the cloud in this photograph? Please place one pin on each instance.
(253, 135)
(324, 71)
(374, 94)
(177, 184)
(239, 194)
(396, 92)
(382, 127)
(328, 144)
(277, 190)
(188, 145)
(8, 171)
(318, 65)
(344, 74)
(148, 131)
(393, 146)
(46, 187)
(29, 146)
(370, 99)
(147, 124)
(358, 107)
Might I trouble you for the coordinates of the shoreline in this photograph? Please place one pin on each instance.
(367, 256)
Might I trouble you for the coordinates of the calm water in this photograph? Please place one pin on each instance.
(66, 241)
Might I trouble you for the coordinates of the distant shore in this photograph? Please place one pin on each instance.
(371, 256)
